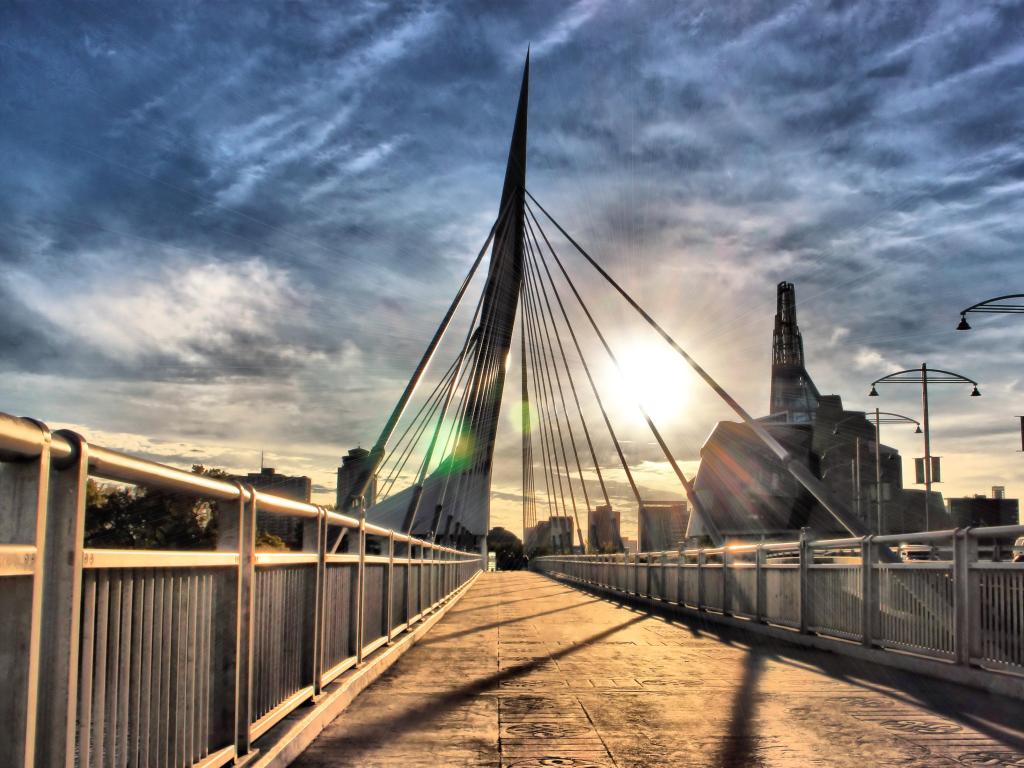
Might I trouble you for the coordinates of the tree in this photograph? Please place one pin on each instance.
(146, 518)
(507, 547)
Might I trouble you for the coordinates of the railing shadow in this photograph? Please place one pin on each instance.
(997, 716)
(739, 741)
(360, 739)
(434, 639)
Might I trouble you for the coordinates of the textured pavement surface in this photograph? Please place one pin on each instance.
(526, 672)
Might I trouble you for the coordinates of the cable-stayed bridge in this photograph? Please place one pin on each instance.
(824, 648)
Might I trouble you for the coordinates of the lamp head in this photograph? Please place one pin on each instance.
(975, 392)
(917, 431)
(963, 325)
(873, 392)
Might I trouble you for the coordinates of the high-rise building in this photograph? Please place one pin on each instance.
(352, 472)
(605, 530)
(562, 532)
(662, 525)
(299, 488)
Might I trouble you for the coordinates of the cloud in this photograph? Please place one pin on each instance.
(237, 224)
(563, 30)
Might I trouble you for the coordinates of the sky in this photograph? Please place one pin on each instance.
(228, 228)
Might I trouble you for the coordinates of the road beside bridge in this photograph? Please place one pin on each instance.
(526, 671)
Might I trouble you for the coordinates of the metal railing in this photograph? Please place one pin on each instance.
(181, 658)
(963, 609)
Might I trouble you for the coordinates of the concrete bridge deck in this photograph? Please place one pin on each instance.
(525, 671)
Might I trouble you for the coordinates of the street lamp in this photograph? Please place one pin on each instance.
(992, 306)
(920, 376)
(881, 417)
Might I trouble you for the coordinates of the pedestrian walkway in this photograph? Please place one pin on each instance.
(527, 672)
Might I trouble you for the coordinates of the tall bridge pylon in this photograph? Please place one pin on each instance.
(446, 496)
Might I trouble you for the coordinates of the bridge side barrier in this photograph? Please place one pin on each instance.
(964, 610)
(181, 658)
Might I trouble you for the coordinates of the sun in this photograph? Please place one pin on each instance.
(653, 374)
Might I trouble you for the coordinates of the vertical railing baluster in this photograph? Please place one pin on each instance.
(761, 584)
(726, 583)
(23, 512)
(56, 716)
(316, 662)
(869, 590)
(244, 644)
(806, 558)
(701, 597)
(360, 590)
(390, 586)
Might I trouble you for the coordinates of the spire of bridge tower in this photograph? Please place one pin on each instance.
(463, 489)
(500, 300)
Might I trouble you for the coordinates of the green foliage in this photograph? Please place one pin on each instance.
(265, 541)
(120, 517)
(507, 547)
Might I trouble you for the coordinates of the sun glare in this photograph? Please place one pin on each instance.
(654, 375)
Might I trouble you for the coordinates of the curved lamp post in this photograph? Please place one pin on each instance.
(992, 306)
(881, 417)
(920, 376)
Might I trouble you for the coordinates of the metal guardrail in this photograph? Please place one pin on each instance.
(964, 610)
(170, 658)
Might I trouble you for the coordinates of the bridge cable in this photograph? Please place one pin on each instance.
(451, 444)
(414, 441)
(666, 452)
(379, 448)
(548, 350)
(798, 470)
(546, 391)
(597, 395)
(400, 443)
(414, 502)
(539, 280)
(549, 481)
(529, 521)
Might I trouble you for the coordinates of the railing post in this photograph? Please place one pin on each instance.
(391, 584)
(23, 512)
(409, 612)
(680, 577)
(760, 585)
(806, 558)
(317, 541)
(966, 600)
(246, 611)
(869, 589)
(61, 609)
(726, 585)
(360, 589)
(701, 559)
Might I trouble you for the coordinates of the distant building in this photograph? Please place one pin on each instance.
(744, 490)
(628, 545)
(980, 511)
(605, 530)
(662, 525)
(562, 533)
(299, 488)
(353, 471)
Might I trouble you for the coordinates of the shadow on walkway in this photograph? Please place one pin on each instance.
(999, 717)
(354, 743)
(433, 639)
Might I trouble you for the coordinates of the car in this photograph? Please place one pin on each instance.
(915, 552)
(1018, 550)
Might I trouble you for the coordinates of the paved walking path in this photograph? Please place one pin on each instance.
(526, 672)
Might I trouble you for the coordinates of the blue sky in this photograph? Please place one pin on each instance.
(232, 226)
